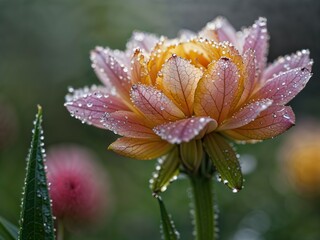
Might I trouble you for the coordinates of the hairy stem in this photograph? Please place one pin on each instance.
(203, 207)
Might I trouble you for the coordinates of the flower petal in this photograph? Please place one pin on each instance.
(154, 104)
(180, 79)
(249, 61)
(246, 114)
(257, 39)
(139, 72)
(138, 148)
(270, 123)
(111, 72)
(285, 86)
(142, 40)
(127, 124)
(219, 29)
(186, 129)
(218, 91)
(224, 159)
(91, 105)
(300, 59)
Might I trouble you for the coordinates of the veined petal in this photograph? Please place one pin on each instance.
(249, 61)
(180, 79)
(219, 29)
(186, 129)
(217, 93)
(138, 148)
(142, 40)
(224, 159)
(246, 114)
(139, 71)
(258, 40)
(300, 59)
(154, 104)
(127, 124)
(270, 123)
(91, 105)
(285, 86)
(111, 72)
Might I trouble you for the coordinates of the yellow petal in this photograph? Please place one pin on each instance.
(143, 149)
(180, 79)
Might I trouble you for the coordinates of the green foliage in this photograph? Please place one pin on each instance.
(36, 221)
(8, 231)
(168, 229)
(225, 160)
(166, 171)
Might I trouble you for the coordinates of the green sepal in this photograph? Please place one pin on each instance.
(8, 231)
(36, 220)
(167, 170)
(167, 226)
(225, 160)
(191, 154)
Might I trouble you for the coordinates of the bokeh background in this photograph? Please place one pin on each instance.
(44, 48)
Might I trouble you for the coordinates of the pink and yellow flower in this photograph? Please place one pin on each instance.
(197, 90)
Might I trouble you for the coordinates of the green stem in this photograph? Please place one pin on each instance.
(60, 235)
(203, 207)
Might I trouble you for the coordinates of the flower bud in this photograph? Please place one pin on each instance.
(191, 155)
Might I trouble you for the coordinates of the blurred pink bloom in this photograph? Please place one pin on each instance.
(77, 185)
(163, 93)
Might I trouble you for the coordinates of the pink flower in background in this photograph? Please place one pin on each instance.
(194, 91)
(77, 187)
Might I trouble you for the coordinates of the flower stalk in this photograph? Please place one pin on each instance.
(60, 234)
(203, 201)
(203, 207)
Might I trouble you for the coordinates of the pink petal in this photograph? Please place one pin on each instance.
(145, 41)
(186, 129)
(180, 79)
(143, 149)
(285, 86)
(91, 105)
(219, 29)
(299, 59)
(257, 40)
(111, 72)
(154, 104)
(250, 78)
(246, 114)
(270, 123)
(127, 124)
(185, 35)
(218, 91)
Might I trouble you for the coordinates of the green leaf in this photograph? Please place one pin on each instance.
(225, 160)
(168, 229)
(166, 171)
(8, 231)
(36, 221)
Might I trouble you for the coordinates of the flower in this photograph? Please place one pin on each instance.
(76, 185)
(301, 159)
(167, 95)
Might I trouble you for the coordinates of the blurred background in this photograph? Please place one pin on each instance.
(44, 48)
